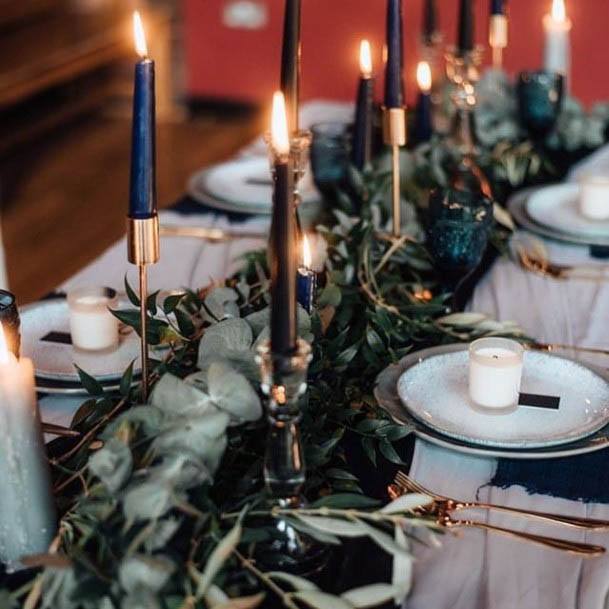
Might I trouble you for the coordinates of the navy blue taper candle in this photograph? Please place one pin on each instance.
(283, 236)
(290, 62)
(465, 41)
(394, 83)
(306, 279)
(423, 122)
(497, 7)
(142, 200)
(362, 130)
(430, 22)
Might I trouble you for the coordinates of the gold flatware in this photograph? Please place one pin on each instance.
(213, 235)
(561, 347)
(535, 260)
(407, 483)
(444, 520)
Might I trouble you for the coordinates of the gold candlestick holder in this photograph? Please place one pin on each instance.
(143, 249)
(394, 135)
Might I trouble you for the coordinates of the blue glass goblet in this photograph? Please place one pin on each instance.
(458, 230)
(540, 96)
(329, 155)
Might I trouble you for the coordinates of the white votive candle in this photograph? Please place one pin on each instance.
(495, 372)
(594, 198)
(92, 326)
(27, 513)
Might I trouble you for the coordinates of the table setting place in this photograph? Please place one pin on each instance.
(364, 362)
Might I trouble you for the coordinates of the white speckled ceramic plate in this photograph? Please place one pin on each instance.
(55, 360)
(556, 207)
(435, 391)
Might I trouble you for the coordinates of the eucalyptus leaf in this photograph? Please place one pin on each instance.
(370, 596)
(334, 526)
(401, 573)
(112, 464)
(297, 583)
(147, 572)
(148, 501)
(217, 559)
(176, 398)
(243, 602)
(407, 503)
(232, 393)
(322, 600)
(345, 501)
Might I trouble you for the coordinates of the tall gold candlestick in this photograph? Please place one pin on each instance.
(394, 135)
(143, 245)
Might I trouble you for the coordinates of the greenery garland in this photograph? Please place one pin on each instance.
(161, 503)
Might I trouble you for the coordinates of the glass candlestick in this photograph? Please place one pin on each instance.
(463, 72)
(284, 382)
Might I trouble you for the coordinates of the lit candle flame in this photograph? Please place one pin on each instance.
(306, 252)
(559, 12)
(424, 76)
(141, 47)
(365, 59)
(4, 357)
(279, 125)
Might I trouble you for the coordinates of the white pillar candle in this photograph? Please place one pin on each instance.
(594, 197)
(557, 51)
(495, 372)
(92, 326)
(27, 513)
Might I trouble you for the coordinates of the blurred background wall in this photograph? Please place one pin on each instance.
(232, 46)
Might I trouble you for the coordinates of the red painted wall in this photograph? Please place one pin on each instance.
(244, 65)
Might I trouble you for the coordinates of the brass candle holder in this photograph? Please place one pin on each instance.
(143, 249)
(394, 135)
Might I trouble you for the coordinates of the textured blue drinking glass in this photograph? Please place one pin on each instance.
(458, 228)
(540, 96)
(329, 155)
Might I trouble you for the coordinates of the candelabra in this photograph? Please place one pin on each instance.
(284, 382)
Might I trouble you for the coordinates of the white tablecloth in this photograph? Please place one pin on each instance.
(475, 571)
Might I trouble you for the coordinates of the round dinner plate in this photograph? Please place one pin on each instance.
(55, 360)
(597, 428)
(518, 208)
(241, 186)
(557, 207)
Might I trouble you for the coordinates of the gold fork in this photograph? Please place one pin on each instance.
(443, 519)
(407, 483)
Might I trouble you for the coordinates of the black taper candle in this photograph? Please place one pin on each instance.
(362, 131)
(465, 42)
(394, 83)
(290, 62)
(283, 264)
(430, 21)
(423, 125)
(142, 200)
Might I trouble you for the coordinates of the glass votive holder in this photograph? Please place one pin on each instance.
(11, 322)
(92, 326)
(329, 155)
(495, 372)
(594, 197)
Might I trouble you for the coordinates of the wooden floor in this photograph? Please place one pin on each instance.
(64, 201)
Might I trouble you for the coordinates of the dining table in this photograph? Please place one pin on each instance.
(470, 569)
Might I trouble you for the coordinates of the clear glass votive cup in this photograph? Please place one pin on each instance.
(329, 155)
(92, 326)
(495, 372)
(594, 197)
